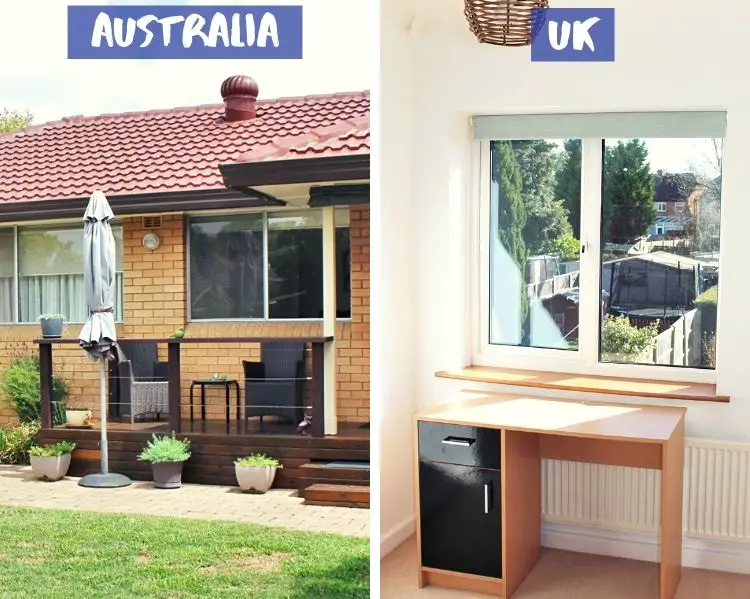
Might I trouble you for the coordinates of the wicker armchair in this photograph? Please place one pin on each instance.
(143, 386)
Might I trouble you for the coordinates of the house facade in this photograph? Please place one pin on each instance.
(195, 250)
(676, 202)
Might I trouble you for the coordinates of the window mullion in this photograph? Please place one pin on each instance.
(266, 270)
(590, 296)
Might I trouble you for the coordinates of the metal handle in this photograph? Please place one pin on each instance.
(458, 441)
(486, 499)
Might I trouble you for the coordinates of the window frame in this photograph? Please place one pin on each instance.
(658, 206)
(46, 226)
(265, 212)
(585, 359)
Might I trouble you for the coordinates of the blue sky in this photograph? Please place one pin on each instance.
(38, 77)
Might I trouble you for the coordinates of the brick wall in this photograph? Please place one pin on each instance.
(155, 295)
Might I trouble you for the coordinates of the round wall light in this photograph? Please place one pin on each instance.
(151, 241)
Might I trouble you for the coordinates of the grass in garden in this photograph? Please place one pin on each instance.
(56, 554)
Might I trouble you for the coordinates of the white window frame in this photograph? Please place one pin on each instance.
(660, 206)
(679, 207)
(584, 360)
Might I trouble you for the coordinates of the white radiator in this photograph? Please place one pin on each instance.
(717, 493)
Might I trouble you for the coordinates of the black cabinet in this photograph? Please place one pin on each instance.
(460, 522)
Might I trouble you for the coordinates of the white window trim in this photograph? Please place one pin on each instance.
(661, 206)
(584, 360)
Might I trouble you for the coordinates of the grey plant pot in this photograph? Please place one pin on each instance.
(52, 327)
(51, 468)
(254, 479)
(167, 475)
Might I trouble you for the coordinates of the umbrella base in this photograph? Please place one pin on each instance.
(105, 481)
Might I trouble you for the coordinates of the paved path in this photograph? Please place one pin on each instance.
(278, 507)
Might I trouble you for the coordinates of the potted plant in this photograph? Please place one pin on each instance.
(256, 472)
(78, 416)
(167, 455)
(51, 462)
(52, 325)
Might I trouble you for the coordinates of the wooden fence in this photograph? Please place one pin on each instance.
(679, 345)
(556, 284)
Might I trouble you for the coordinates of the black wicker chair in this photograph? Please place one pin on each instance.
(275, 385)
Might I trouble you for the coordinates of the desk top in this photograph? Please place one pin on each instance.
(626, 422)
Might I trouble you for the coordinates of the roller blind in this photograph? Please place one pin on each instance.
(687, 124)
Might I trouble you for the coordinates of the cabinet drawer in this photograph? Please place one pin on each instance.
(458, 444)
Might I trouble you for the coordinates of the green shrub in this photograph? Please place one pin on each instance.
(621, 338)
(16, 441)
(258, 459)
(54, 450)
(165, 449)
(566, 245)
(709, 296)
(21, 384)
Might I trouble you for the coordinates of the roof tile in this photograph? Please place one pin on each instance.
(173, 150)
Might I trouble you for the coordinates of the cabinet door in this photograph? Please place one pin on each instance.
(460, 518)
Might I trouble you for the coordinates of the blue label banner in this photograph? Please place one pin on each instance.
(185, 32)
(573, 35)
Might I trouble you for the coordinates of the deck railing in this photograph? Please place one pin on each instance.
(174, 376)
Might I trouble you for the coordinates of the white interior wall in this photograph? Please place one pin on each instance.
(671, 55)
(392, 332)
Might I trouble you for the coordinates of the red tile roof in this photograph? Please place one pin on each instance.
(174, 150)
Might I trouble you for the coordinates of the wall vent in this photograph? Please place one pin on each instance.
(152, 222)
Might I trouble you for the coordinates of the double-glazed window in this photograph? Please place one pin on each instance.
(41, 272)
(265, 266)
(582, 265)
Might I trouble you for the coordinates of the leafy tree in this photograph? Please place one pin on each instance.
(511, 215)
(13, 120)
(628, 195)
(546, 219)
(566, 245)
(511, 219)
(568, 184)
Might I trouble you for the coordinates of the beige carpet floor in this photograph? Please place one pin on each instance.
(567, 575)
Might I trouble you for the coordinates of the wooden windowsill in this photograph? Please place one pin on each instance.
(587, 384)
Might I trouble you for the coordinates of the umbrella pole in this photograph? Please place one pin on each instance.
(104, 479)
(103, 406)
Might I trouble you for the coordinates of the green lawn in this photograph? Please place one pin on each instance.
(55, 554)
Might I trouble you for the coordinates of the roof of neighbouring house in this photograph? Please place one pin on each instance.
(673, 187)
(670, 220)
(177, 149)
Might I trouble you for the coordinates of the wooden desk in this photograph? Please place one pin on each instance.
(458, 440)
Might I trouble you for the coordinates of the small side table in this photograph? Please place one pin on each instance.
(226, 383)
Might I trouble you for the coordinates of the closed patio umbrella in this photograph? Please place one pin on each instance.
(98, 336)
